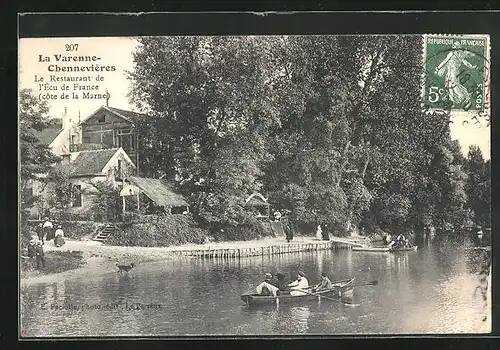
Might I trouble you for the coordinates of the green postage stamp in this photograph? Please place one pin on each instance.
(457, 73)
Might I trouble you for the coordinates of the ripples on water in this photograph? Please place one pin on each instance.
(428, 291)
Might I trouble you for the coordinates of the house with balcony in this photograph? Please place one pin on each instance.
(108, 128)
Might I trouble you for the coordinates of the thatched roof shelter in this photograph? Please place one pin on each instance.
(158, 191)
(256, 200)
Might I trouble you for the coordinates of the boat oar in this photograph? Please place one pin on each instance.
(328, 298)
(371, 283)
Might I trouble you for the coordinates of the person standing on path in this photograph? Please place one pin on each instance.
(47, 230)
(59, 237)
(40, 255)
(319, 233)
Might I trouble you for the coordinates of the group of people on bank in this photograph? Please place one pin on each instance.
(276, 285)
(45, 231)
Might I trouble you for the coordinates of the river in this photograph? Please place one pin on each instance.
(427, 291)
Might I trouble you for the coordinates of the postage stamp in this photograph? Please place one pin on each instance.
(456, 73)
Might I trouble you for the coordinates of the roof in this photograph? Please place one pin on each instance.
(91, 162)
(129, 116)
(47, 135)
(256, 199)
(158, 191)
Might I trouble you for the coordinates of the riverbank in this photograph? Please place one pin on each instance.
(97, 259)
(100, 258)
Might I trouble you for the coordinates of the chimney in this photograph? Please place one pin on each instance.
(108, 96)
(65, 122)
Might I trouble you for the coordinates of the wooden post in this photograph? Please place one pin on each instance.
(123, 204)
(138, 202)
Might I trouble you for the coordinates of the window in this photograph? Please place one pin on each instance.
(119, 168)
(73, 139)
(77, 196)
(101, 119)
(124, 141)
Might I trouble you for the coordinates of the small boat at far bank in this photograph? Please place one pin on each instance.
(339, 288)
(371, 249)
(384, 249)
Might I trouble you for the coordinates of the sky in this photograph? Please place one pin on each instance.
(117, 51)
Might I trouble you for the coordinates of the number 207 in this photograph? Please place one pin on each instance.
(71, 47)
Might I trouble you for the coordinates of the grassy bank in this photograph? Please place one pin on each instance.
(158, 231)
(55, 262)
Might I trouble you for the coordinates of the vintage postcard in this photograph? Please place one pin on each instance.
(254, 185)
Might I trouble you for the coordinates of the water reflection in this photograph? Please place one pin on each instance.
(299, 317)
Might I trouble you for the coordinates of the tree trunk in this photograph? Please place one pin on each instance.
(344, 162)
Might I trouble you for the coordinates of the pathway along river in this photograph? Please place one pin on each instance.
(428, 291)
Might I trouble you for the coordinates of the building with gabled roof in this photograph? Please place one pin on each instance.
(110, 127)
(86, 168)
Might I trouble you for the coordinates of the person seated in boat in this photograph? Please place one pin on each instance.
(400, 241)
(300, 283)
(279, 281)
(266, 287)
(324, 284)
(387, 239)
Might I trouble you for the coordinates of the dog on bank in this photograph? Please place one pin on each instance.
(125, 268)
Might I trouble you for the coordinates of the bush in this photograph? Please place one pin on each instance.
(251, 229)
(158, 231)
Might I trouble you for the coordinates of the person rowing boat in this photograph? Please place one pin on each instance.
(324, 284)
(300, 283)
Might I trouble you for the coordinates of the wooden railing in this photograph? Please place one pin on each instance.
(78, 147)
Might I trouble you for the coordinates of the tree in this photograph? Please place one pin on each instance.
(107, 203)
(331, 127)
(36, 158)
(479, 186)
(60, 190)
(211, 111)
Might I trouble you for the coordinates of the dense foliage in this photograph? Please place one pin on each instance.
(35, 158)
(158, 231)
(330, 128)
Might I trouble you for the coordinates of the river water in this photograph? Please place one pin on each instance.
(427, 291)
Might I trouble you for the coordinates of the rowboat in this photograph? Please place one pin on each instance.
(384, 249)
(371, 249)
(404, 249)
(339, 288)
